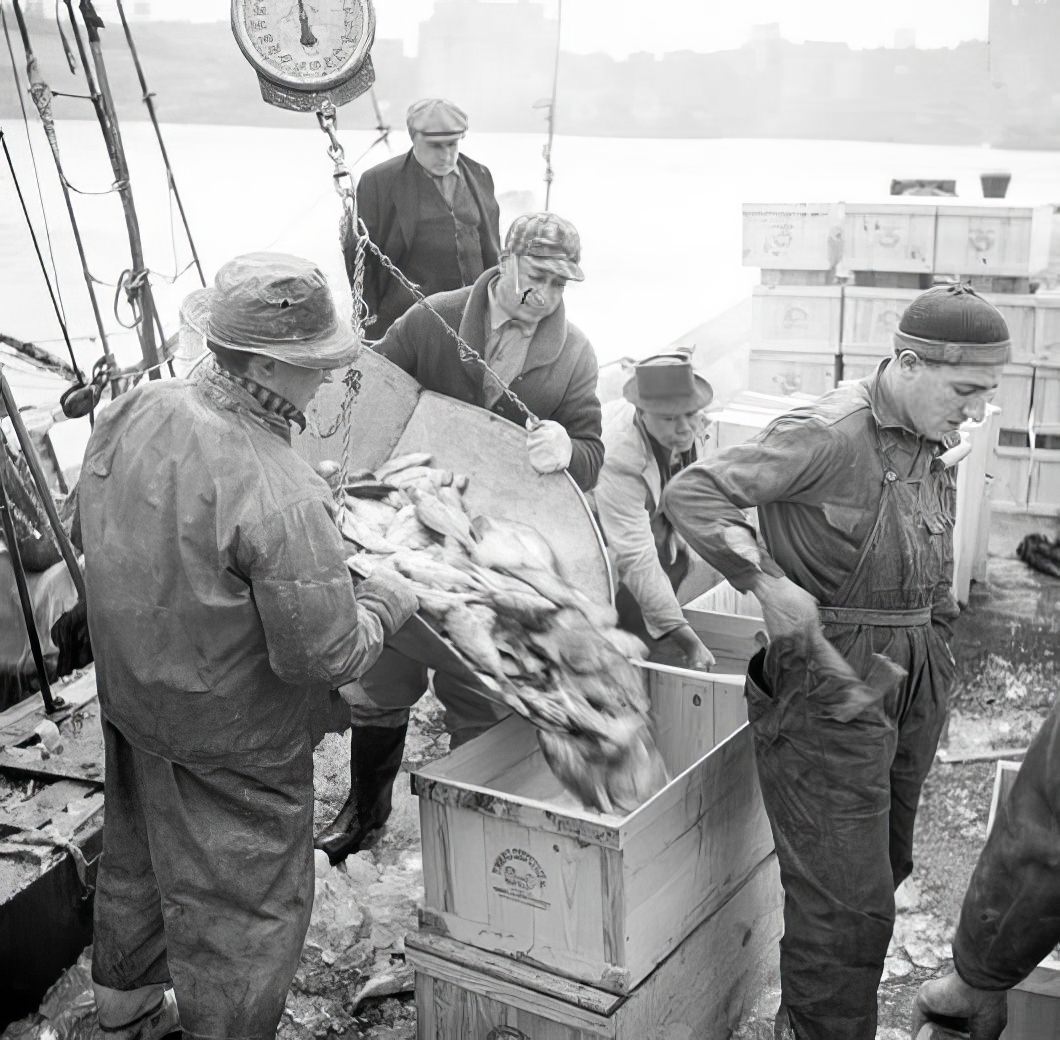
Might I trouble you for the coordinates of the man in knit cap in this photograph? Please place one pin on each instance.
(855, 496)
(431, 211)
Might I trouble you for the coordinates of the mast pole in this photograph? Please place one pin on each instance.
(552, 107)
(138, 287)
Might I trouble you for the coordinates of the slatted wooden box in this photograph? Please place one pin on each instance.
(703, 990)
(870, 318)
(1046, 397)
(787, 373)
(513, 865)
(889, 237)
(1014, 395)
(1011, 241)
(792, 236)
(796, 318)
(1046, 329)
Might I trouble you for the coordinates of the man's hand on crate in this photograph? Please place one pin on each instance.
(951, 1001)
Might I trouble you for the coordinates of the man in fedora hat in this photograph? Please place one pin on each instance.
(219, 607)
(652, 433)
(855, 496)
(432, 211)
(513, 317)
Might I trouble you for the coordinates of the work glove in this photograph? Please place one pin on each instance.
(390, 598)
(691, 647)
(548, 445)
(70, 636)
(983, 1013)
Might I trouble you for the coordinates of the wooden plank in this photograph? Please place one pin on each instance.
(732, 638)
(788, 235)
(708, 986)
(992, 240)
(420, 946)
(47, 804)
(1034, 1006)
(683, 714)
(889, 237)
(466, 1003)
(1004, 778)
(789, 373)
(694, 853)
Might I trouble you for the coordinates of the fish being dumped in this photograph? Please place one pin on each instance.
(493, 590)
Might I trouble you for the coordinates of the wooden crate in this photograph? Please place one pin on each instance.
(1034, 1005)
(796, 236)
(789, 373)
(513, 865)
(1046, 329)
(1010, 241)
(1015, 394)
(862, 364)
(1011, 473)
(1045, 400)
(1044, 479)
(870, 319)
(889, 237)
(796, 318)
(1020, 314)
(795, 276)
(703, 990)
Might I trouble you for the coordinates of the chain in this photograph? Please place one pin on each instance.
(467, 353)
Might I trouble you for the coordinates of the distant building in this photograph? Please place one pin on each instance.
(1023, 37)
(494, 58)
(904, 38)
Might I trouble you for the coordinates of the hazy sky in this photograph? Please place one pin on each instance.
(621, 26)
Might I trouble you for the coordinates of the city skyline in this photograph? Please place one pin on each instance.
(675, 25)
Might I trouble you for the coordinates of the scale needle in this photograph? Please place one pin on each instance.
(308, 39)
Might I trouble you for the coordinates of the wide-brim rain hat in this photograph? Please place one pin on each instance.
(667, 384)
(273, 304)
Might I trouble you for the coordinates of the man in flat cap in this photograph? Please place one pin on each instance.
(220, 608)
(432, 211)
(855, 496)
(513, 317)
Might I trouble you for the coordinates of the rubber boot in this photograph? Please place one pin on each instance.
(375, 761)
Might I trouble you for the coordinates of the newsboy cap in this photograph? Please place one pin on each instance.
(550, 241)
(437, 119)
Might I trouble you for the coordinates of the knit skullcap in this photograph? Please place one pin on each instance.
(953, 324)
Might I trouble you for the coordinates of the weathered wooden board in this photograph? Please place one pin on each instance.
(1034, 1005)
(703, 990)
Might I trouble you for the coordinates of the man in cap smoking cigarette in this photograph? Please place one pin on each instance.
(513, 316)
(432, 211)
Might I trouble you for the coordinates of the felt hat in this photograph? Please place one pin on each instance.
(666, 384)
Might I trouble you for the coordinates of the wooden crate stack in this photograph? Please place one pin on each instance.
(542, 919)
(836, 279)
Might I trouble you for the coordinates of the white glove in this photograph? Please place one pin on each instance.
(548, 446)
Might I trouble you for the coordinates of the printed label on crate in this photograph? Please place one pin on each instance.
(520, 877)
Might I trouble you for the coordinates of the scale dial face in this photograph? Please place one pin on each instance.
(304, 45)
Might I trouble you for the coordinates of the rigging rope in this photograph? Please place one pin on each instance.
(33, 160)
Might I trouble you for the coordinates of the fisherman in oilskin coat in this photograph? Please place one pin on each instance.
(432, 211)
(1010, 918)
(513, 316)
(220, 608)
(855, 497)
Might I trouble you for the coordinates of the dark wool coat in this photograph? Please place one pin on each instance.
(558, 380)
(388, 201)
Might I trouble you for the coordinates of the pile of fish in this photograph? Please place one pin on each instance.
(493, 589)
